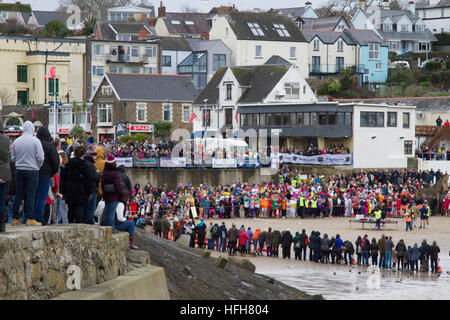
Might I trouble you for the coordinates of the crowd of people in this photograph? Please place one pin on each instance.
(312, 150)
(145, 150)
(383, 252)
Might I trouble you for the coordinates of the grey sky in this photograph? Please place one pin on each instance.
(201, 5)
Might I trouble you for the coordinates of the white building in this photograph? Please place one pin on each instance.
(255, 37)
(383, 135)
(435, 14)
(130, 13)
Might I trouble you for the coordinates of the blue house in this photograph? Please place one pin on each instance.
(372, 54)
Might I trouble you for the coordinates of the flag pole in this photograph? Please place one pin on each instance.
(56, 110)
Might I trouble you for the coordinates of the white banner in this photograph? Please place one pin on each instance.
(127, 162)
(224, 163)
(323, 159)
(173, 163)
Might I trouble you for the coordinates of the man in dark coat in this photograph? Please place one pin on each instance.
(286, 242)
(424, 255)
(5, 176)
(303, 244)
(275, 241)
(434, 255)
(233, 236)
(94, 179)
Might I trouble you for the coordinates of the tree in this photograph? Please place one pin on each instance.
(93, 9)
(89, 26)
(6, 97)
(162, 128)
(55, 29)
(78, 133)
(396, 5)
(188, 9)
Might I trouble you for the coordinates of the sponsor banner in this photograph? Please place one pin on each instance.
(63, 131)
(140, 128)
(148, 163)
(323, 159)
(224, 163)
(127, 162)
(173, 163)
(248, 162)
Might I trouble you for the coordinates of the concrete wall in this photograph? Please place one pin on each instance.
(444, 166)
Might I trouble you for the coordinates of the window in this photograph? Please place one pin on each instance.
(420, 28)
(299, 119)
(392, 119)
(113, 69)
(122, 37)
(292, 89)
(228, 116)
(186, 113)
(149, 70)
(98, 71)
(22, 97)
(166, 61)
(258, 50)
(206, 116)
(340, 118)
(442, 12)
(378, 66)
(5, 15)
(229, 91)
(322, 118)
(134, 70)
(300, 25)
(293, 53)
(339, 63)
(151, 52)
(340, 46)
(372, 119)
(332, 118)
(22, 74)
(51, 86)
(404, 28)
(167, 112)
(219, 61)
(141, 112)
(135, 52)
(98, 49)
(175, 21)
(306, 119)
(189, 22)
(348, 118)
(256, 30)
(316, 44)
(374, 51)
(281, 30)
(405, 120)
(408, 147)
(105, 114)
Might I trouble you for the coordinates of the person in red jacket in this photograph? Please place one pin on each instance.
(446, 124)
(243, 237)
(48, 203)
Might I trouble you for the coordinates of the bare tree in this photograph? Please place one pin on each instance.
(93, 9)
(6, 97)
(188, 9)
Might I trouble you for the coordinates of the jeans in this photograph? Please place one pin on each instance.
(26, 183)
(255, 245)
(216, 244)
(89, 210)
(374, 260)
(303, 249)
(349, 260)
(434, 266)
(381, 262)
(41, 197)
(110, 211)
(365, 257)
(125, 226)
(222, 244)
(211, 244)
(3, 208)
(388, 259)
(61, 211)
(408, 226)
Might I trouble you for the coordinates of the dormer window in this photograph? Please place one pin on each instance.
(175, 21)
(316, 44)
(255, 28)
(300, 25)
(281, 30)
(189, 22)
(387, 27)
(404, 28)
(420, 28)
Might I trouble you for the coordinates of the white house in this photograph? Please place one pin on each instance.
(383, 135)
(435, 14)
(255, 37)
(130, 13)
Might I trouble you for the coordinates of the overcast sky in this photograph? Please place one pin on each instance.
(201, 5)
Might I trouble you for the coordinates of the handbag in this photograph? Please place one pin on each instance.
(109, 188)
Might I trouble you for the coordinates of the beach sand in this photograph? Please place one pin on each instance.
(350, 282)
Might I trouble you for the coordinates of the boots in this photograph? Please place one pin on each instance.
(2, 222)
(132, 246)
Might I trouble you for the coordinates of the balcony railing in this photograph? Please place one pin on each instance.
(126, 58)
(334, 68)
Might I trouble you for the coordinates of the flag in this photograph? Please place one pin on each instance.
(32, 114)
(193, 116)
(51, 73)
(92, 118)
(236, 117)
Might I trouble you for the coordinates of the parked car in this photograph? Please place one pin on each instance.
(399, 64)
(424, 63)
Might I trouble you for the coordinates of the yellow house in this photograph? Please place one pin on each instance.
(24, 62)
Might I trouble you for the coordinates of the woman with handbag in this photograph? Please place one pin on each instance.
(112, 190)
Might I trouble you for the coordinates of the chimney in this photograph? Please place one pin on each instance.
(205, 35)
(161, 10)
(222, 10)
(362, 5)
(308, 4)
(385, 4)
(143, 34)
(412, 7)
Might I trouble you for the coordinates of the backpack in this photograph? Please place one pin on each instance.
(363, 244)
(215, 232)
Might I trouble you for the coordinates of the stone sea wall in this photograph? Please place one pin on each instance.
(34, 260)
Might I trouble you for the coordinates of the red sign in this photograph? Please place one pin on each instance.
(63, 131)
(141, 128)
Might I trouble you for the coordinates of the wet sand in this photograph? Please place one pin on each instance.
(350, 282)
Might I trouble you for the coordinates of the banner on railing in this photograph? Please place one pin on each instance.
(127, 162)
(173, 163)
(248, 162)
(322, 159)
(147, 163)
(224, 163)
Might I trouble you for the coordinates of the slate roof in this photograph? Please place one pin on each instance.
(427, 35)
(175, 44)
(43, 17)
(258, 81)
(326, 23)
(363, 36)
(440, 4)
(109, 29)
(202, 23)
(328, 37)
(238, 22)
(292, 12)
(151, 87)
(277, 60)
(203, 45)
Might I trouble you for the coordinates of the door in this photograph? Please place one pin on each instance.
(339, 64)
(315, 64)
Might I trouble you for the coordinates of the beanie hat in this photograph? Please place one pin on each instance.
(111, 159)
(90, 140)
